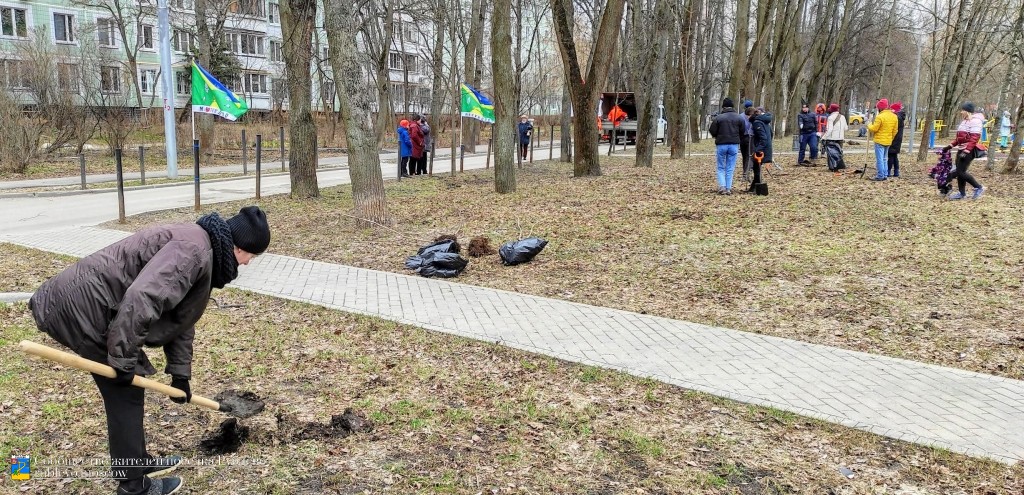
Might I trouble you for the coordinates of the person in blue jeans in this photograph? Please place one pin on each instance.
(808, 125)
(728, 129)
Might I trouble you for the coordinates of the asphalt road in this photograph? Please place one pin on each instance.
(20, 215)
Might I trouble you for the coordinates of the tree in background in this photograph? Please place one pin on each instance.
(298, 20)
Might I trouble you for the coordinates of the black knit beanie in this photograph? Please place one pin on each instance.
(249, 230)
(727, 102)
(968, 106)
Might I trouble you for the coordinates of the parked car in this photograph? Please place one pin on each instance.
(856, 118)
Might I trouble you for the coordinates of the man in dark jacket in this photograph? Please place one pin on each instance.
(728, 129)
(761, 145)
(525, 134)
(808, 124)
(149, 289)
(897, 141)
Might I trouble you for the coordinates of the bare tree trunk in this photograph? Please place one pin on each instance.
(566, 126)
(438, 87)
(474, 42)
(504, 129)
(654, 41)
(739, 49)
(1004, 90)
(341, 24)
(584, 91)
(298, 19)
(1018, 140)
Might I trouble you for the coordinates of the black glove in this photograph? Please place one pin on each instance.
(181, 383)
(947, 148)
(123, 378)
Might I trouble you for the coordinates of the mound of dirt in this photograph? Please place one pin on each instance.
(226, 439)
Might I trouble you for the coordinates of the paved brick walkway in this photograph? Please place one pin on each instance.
(972, 413)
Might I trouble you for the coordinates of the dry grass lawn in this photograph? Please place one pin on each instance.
(449, 415)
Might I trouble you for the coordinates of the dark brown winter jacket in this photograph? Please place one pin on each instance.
(148, 289)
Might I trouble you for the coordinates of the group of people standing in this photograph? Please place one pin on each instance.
(747, 137)
(414, 144)
(824, 129)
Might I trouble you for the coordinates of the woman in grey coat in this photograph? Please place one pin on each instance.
(148, 290)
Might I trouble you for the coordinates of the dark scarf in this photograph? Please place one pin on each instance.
(225, 265)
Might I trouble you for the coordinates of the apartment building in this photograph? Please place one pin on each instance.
(93, 56)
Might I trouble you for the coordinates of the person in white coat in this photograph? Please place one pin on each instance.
(834, 135)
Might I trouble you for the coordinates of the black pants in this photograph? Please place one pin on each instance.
(894, 163)
(756, 166)
(963, 160)
(125, 433)
(745, 154)
(421, 164)
(524, 148)
(405, 167)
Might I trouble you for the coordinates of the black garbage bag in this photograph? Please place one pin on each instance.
(521, 251)
(440, 259)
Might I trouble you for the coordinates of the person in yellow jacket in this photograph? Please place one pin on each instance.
(884, 128)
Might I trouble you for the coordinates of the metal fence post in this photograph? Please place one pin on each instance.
(245, 155)
(81, 165)
(142, 164)
(120, 185)
(259, 161)
(282, 148)
(195, 170)
(462, 158)
(489, 141)
(551, 143)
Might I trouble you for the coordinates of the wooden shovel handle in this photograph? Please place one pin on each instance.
(104, 370)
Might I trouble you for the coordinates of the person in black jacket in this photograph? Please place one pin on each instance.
(728, 129)
(897, 141)
(147, 290)
(761, 145)
(525, 134)
(808, 124)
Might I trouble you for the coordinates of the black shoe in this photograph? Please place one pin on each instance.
(163, 465)
(159, 486)
(878, 179)
(165, 486)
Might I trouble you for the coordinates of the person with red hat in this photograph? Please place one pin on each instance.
(833, 137)
(884, 129)
(897, 141)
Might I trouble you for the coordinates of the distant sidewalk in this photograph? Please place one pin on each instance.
(271, 164)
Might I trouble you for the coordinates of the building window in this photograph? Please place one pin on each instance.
(183, 42)
(106, 29)
(12, 22)
(253, 8)
(397, 93)
(68, 77)
(12, 75)
(110, 80)
(274, 13)
(64, 28)
(244, 43)
(395, 61)
(255, 83)
(182, 4)
(276, 51)
(147, 81)
(326, 53)
(145, 37)
(410, 62)
(183, 83)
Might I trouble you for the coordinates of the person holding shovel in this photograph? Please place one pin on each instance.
(149, 289)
